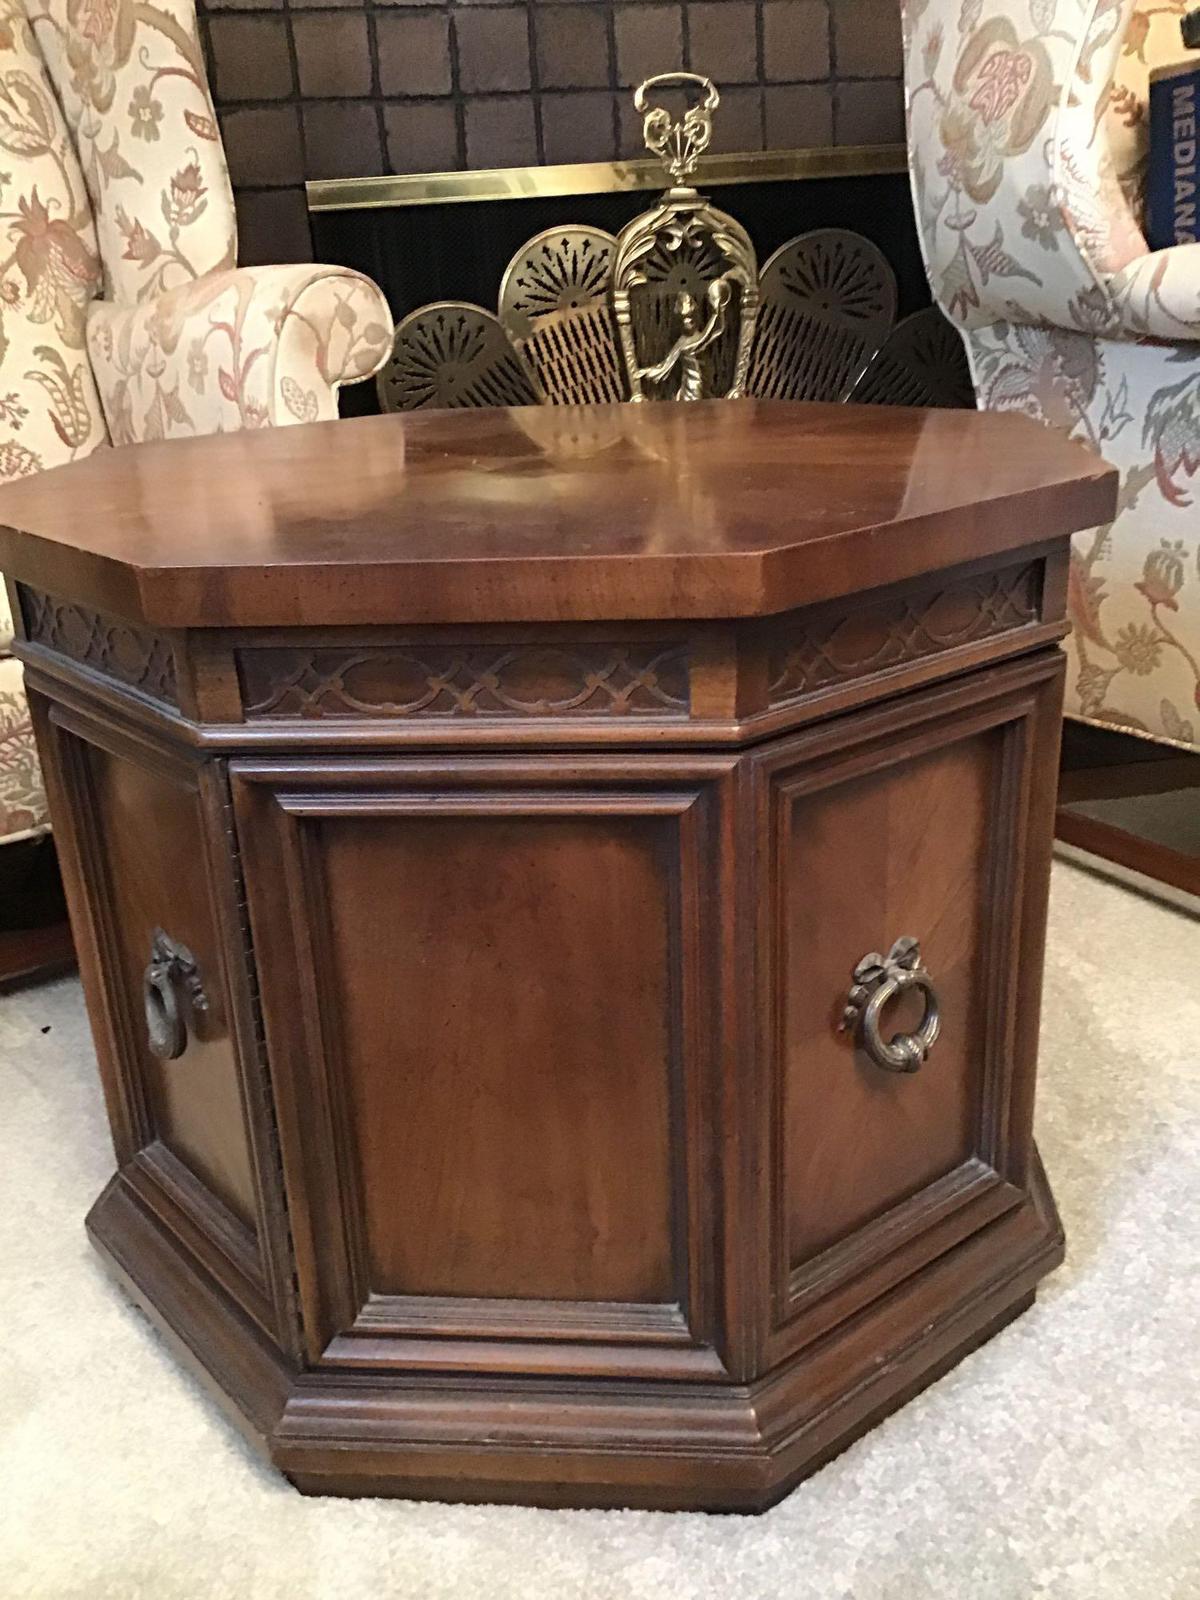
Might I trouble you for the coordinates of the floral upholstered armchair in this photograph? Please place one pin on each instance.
(1027, 123)
(123, 316)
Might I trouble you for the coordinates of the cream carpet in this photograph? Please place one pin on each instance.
(1062, 1460)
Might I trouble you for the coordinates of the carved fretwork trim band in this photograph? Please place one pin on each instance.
(520, 680)
(134, 656)
(817, 651)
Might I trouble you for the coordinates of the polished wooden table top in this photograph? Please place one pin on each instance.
(543, 514)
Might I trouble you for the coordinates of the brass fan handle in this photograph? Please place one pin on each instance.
(172, 993)
(677, 80)
(879, 980)
(678, 145)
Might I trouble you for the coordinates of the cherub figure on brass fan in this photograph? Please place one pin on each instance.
(690, 318)
(674, 308)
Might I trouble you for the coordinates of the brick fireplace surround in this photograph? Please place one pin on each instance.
(354, 88)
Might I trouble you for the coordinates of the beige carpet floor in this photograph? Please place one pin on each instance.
(1062, 1460)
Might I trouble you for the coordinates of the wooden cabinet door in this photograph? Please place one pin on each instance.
(492, 1018)
(907, 822)
(147, 857)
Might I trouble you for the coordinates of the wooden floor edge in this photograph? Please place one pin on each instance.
(1129, 850)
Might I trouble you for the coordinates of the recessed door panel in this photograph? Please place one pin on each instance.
(897, 853)
(893, 881)
(493, 1015)
(150, 832)
(150, 868)
(506, 1047)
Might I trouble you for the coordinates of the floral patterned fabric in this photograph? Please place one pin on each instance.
(1135, 584)
(1024, 146)
(49, 272)
(242, 349)
(49, 408)
(1018, 202)
(22, 800)
(113, 181)
(130, 78)
(1159, 294)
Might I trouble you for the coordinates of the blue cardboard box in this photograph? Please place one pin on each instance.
(1173, 189)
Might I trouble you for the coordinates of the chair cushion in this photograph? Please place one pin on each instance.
(6, 621)
(49, 409)
(131, 80)
(22, 798)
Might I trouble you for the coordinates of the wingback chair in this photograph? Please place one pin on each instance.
(123, 315)
(1027, 127)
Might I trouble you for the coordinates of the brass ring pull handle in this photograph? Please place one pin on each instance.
(172, 994)
(877, 980)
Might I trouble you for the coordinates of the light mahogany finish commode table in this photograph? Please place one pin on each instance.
(561, 898)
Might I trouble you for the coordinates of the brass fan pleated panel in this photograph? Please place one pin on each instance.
(824, 332)
(828, 302)
(562, 269)
(449, 355)
(923, 363)
(574, 358)
(796, 358)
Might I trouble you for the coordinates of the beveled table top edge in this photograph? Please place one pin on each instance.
(500, 574)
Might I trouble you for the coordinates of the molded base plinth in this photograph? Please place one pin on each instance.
(655, 1445)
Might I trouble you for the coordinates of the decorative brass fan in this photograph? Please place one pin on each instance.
(828, 303)
(674, 308)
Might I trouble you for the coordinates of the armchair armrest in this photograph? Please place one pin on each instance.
(251, 347)
(1158, 295)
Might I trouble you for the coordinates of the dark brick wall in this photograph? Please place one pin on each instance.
(350, 88)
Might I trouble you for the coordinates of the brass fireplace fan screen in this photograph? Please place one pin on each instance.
(674, 307)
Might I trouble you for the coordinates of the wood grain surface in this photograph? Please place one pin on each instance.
(527, 813)
(707, 510)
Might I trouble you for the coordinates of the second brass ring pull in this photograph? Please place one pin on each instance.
(879, 980)
(171, 993)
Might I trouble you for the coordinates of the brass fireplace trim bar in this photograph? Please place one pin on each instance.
(597, 177)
